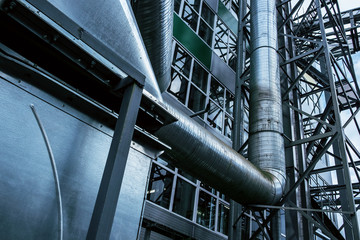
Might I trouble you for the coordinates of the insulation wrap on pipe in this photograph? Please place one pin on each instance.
(155, 22)
(266, 144)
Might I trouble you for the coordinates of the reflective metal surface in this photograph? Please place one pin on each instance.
(112, 23)
(266, 145)
(155, 20)
(200, 153)
(28, 196)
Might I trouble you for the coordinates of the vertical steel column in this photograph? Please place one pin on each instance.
(238, 130)
(352, 232)
(107, 198)
(297, 226)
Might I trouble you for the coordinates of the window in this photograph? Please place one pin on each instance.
(176, 190)
(196, 99)
(184, 199)
(221, 108)
(225, 44)
(160, 186)
(196, 88)
(233, 6)
(223, 218)
(184, 68)
(199, 17)
(178, 86)
(177, 4)
(206, 210)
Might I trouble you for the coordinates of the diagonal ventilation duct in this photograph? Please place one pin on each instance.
(155, 22)
(194, 148)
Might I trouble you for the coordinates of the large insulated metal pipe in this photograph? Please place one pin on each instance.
(155, 21)
(266, 145)
(203, 155)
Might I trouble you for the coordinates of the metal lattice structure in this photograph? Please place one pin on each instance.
(320, 103)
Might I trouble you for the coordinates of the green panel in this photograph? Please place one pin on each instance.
(227, 17)
(192, 42)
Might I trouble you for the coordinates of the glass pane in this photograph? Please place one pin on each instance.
(223, 218)
(184, 199)
(232, 42)
(206, 210)
(217, 92)
(215, 117)
(186, 175)
(196, 100)
(165, 163)
(208, 187)
(200, 76)
(229, 104)
(232, 60)
(221, 31)
(224, 197)
(235, 8)
(182, 61)
(178, 86)
(190, 17)
(207, 15)
(177, 6)
(220, 49)
(226, 2)
(205, 32)
(228, 126)
(160, 186)
(195, 4)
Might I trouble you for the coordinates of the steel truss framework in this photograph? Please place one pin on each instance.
(320, 103)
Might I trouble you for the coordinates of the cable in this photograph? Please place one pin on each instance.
(55, 173)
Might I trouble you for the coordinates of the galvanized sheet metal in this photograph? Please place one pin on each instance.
(266, 145)
(110, 22)
(156, 30)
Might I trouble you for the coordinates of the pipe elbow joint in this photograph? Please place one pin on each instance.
(278, 180)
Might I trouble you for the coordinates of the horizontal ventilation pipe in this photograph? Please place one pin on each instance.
(207, 158)
(155, 21)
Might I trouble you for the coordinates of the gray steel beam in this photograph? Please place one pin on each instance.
(238, 127)
(106, 202)
(348, 204)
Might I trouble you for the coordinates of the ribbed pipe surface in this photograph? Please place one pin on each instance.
(266, 145)
(207, 158)
(155, 21)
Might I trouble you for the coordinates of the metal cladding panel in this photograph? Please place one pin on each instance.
(192, 42)
(184, 226)
(130, 205)
(223, 72)
(113, 25)
(213, 4)
(227, 17)
(28, 202)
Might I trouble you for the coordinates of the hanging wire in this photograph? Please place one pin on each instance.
(55, 173)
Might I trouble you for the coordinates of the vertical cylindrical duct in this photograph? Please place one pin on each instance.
(266, 145)
(155, 21)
